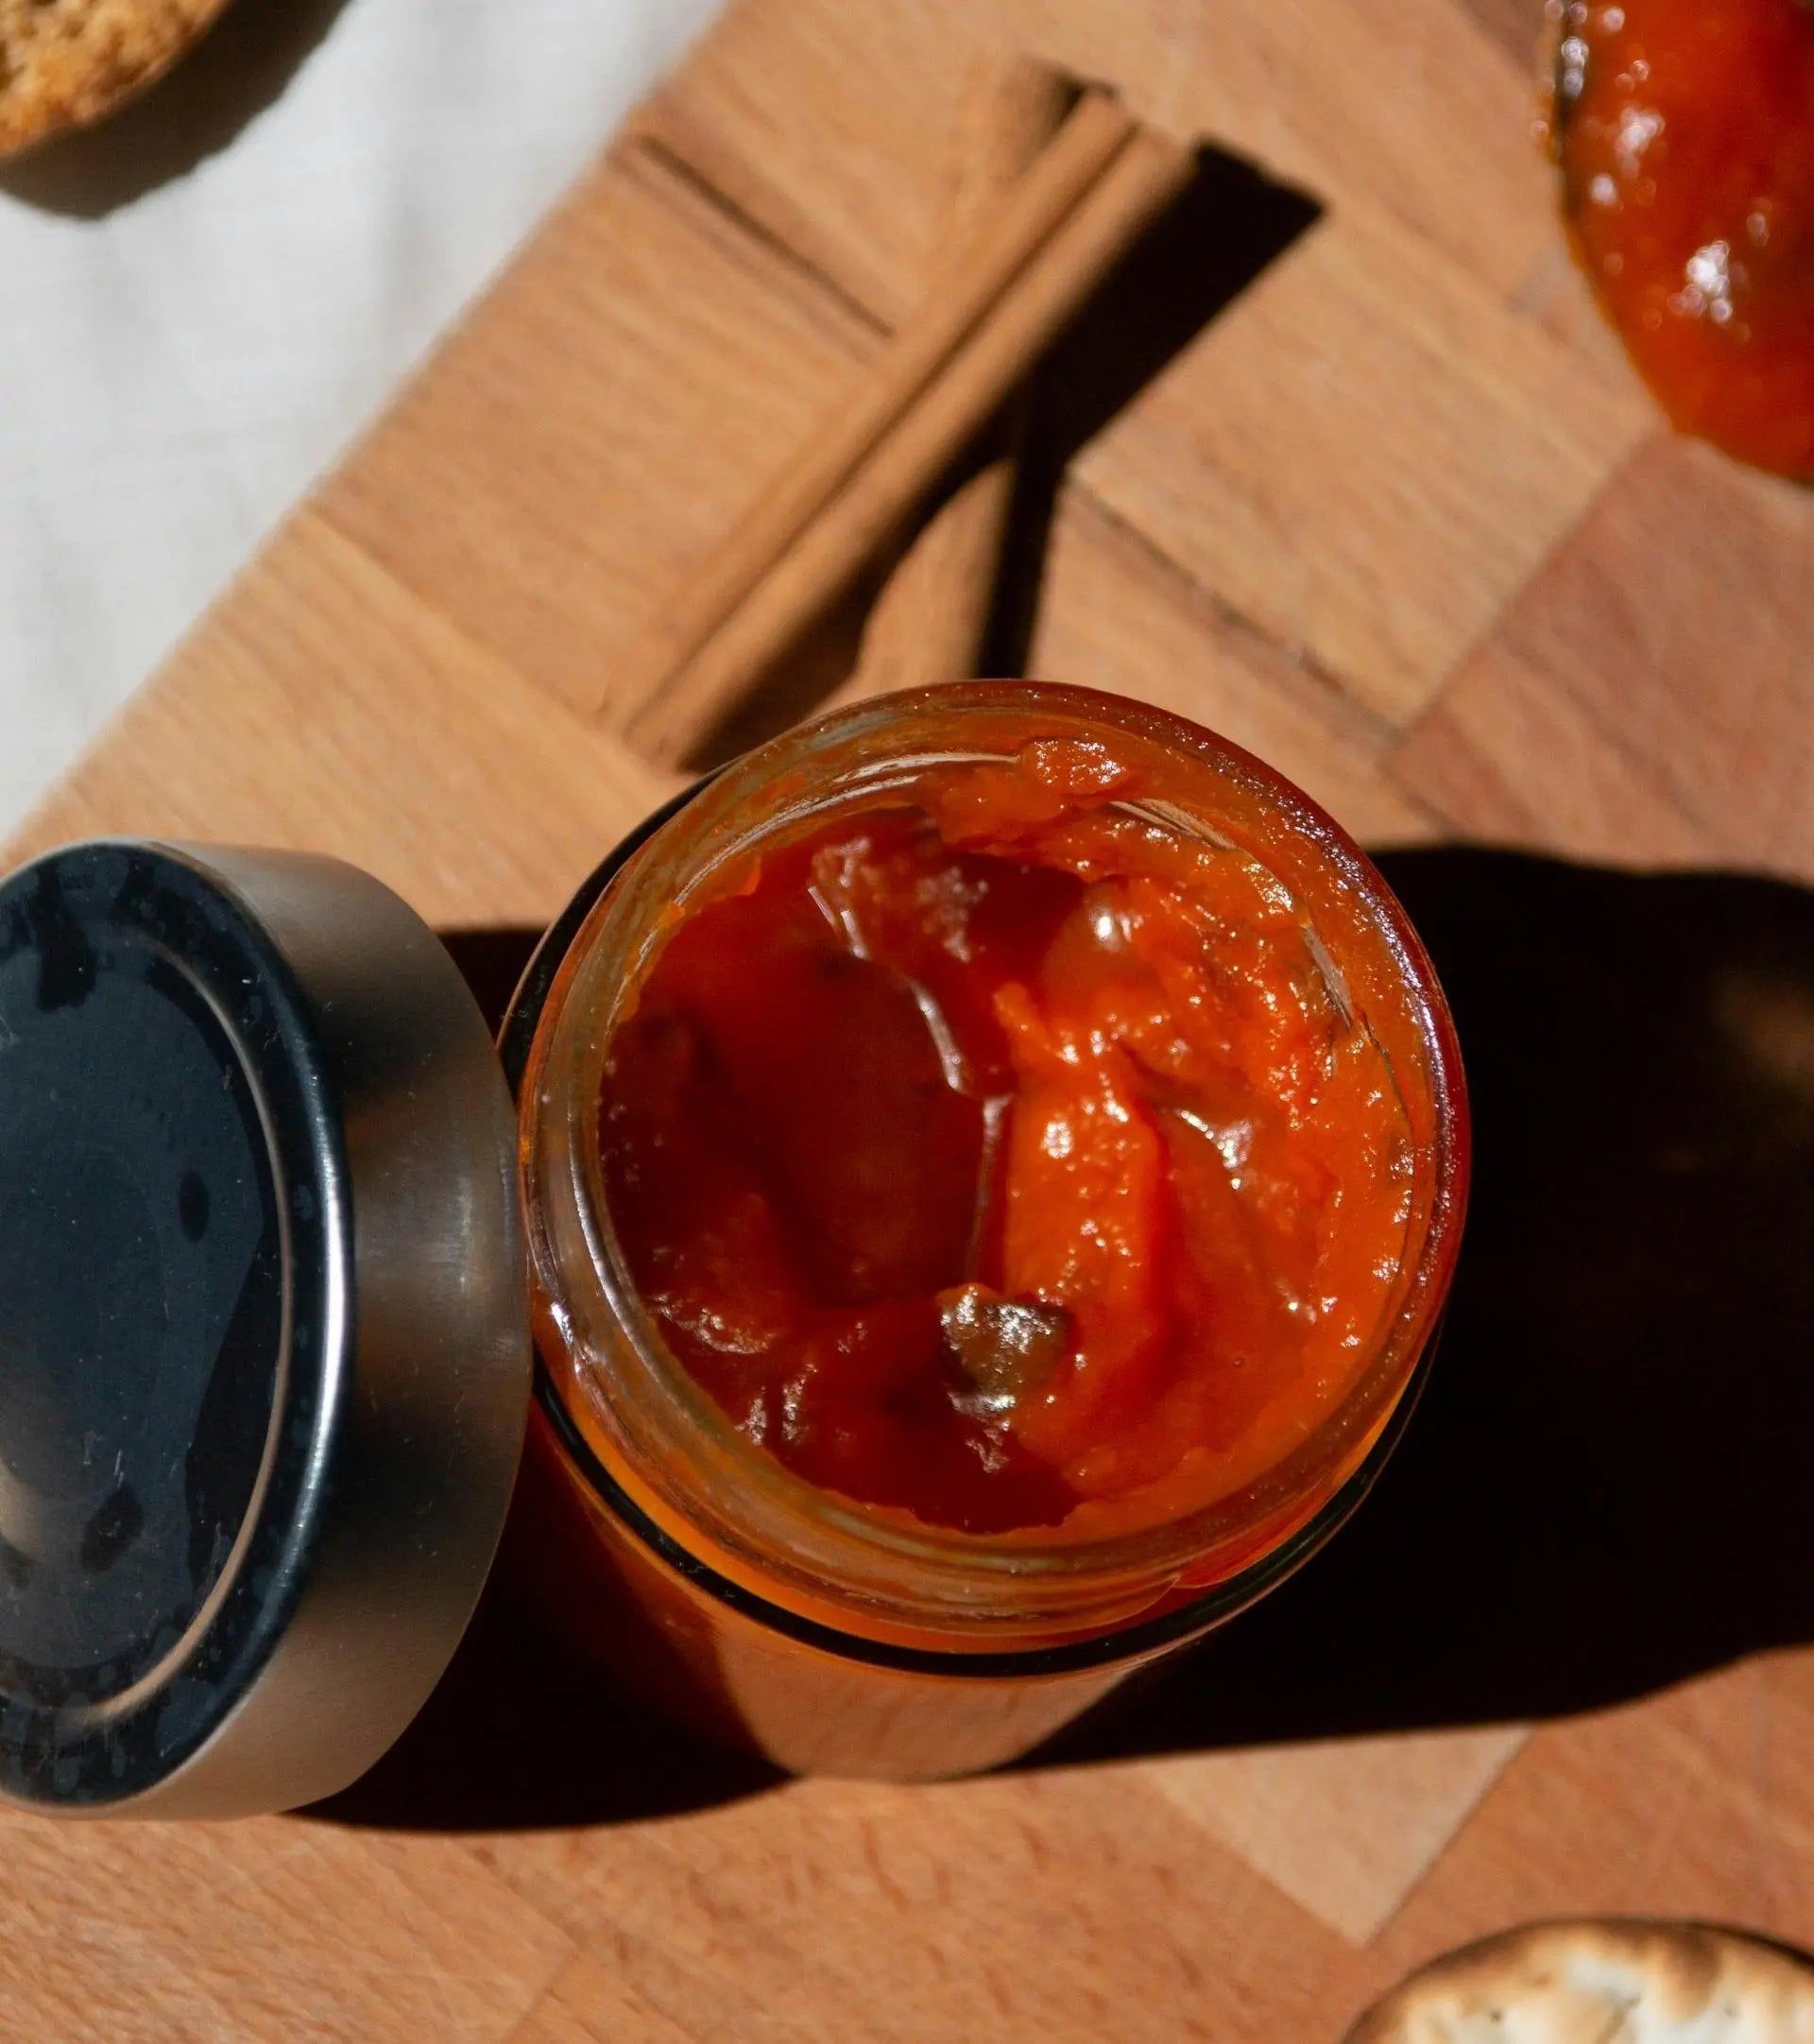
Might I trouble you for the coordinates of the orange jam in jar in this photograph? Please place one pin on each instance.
(995, 1160)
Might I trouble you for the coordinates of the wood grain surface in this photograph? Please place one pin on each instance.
(1389, 509)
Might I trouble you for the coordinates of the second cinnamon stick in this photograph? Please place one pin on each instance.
(932, 620)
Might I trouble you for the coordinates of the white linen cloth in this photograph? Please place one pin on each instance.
(184, 345)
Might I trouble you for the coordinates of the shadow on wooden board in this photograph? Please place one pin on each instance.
(520, 1736)
(1226, 231)
(1605, 1490)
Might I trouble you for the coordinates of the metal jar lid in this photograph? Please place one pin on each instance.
(264, 1359)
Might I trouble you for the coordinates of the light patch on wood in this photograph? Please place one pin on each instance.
(1347, 1826)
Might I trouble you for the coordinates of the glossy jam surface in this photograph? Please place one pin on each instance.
(1687, 137)
(1002, 1155)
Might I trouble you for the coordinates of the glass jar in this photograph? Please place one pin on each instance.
(697, 1569)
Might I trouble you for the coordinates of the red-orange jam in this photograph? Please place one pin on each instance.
(1003, 1154)
(1686, 135)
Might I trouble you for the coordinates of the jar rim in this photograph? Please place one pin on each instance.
(556, 1035)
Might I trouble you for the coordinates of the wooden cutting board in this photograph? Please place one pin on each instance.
(1397, 518)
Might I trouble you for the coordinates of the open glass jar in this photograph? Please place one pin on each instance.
(838, 1635)
(275, 1231)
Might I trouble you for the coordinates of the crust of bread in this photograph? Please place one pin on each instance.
(1602, 1981)
(64, 63)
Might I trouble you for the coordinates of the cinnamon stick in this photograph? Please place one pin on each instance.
(932, 620)
(893, 471)
(1096, 132)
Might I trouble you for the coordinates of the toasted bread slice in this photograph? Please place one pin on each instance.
(66, 62)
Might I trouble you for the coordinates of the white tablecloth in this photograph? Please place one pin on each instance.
(184, 346)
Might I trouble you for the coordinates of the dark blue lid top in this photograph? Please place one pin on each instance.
(179, 1298)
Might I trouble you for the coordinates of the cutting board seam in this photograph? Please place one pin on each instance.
(1502, 634)
(1326, 678)
(758, 230)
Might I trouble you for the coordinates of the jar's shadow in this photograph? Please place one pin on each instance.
(1605, 1491)
(520, 1737)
